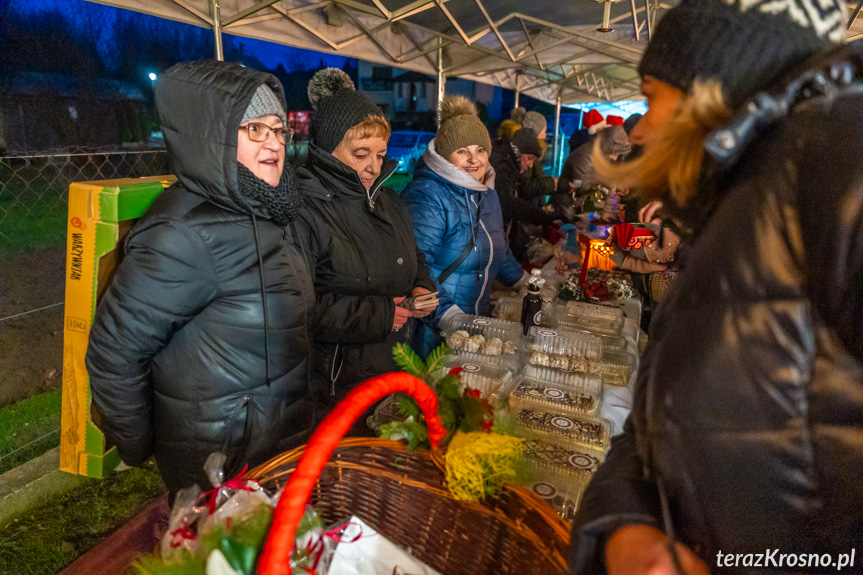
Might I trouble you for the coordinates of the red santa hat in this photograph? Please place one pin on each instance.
(614, 120)
(593, 122)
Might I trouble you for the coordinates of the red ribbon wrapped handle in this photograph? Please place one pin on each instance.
(276, 557)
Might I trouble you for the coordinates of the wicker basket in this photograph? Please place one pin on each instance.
(403, 495)
(658, 282)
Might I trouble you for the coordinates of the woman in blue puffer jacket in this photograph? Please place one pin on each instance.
(457, 220)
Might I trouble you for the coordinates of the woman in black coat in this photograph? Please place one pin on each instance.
(359, 240)
(202, 341)
(745, 444)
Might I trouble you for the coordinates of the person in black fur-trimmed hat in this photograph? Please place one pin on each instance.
(742, 448)
(359, 241)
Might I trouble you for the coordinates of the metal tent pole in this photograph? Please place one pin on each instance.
(557, 142)
(517, 91)
(217, 29)
(441, 80)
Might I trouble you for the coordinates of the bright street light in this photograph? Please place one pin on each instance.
(152, 76)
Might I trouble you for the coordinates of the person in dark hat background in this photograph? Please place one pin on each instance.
(359, 241)
(202, 341)
(578, 171)
(533, 184)
(746, 434)
(512, 158)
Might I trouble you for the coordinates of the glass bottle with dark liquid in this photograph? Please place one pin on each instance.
(531, 305)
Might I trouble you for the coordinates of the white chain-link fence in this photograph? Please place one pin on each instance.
(33, 211)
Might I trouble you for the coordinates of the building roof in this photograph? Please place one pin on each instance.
(415, 78)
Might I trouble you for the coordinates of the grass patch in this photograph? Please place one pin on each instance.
(55, 534)
(28, 429)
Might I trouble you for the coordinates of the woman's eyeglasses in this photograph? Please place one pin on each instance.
(259, 132)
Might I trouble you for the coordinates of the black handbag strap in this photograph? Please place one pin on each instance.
(444, 275)
(458, 261)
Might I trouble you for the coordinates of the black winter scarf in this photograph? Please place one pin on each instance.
(280, 202)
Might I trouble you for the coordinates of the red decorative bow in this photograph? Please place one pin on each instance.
(238, 482)
(181, 533)
(630, 237)
(315, 548)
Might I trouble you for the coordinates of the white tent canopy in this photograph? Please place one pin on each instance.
(548, 49)
(544, 48)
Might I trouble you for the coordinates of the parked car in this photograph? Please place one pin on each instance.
(157, 140)
(407, 147)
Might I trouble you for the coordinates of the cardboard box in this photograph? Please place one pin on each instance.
(100, 214)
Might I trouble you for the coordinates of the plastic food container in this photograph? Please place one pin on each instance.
(481, 335)
(564, 429)
(508, 309)
(579, 461)
(608, 342)
(568, 354)
(489, 380)
(558, 392)
(562, 491)
(617, 367)
(596, 319)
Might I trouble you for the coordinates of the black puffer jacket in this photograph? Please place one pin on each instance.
(749, 405)
(178, 352)
(362, 259)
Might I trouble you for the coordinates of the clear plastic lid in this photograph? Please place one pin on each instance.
(489, 380)
(617, 367)
(580, 461)
(562, 491)
(595, 319)
(613, 343)
(595, 311)
(559, 393)
(565, 429)
(511, 362)
(508, 309)
(568, 354)
(556, 377)
(608, 342)
(482, 335)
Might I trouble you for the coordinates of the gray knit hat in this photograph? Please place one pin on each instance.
(535, 121)
(264, 103)
(526, 141)
(460, 127)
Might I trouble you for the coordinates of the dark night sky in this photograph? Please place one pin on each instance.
(98, 20)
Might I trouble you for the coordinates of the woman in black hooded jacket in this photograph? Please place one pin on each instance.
(745, 443)
(202, 341)
(359, 240)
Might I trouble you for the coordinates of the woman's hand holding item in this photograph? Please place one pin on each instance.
(418, 291)
(402, 315)
(643, 550)
(647, 214)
